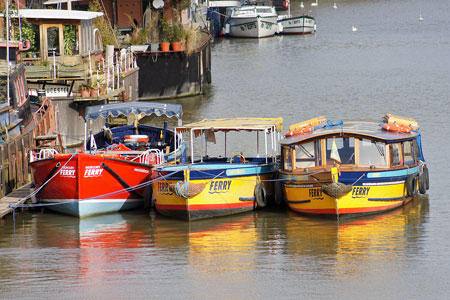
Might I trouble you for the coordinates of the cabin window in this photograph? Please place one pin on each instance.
(53, 41)
(408, 156)
(341, 150)
(308, 155)
(372, 153)
(395, 155)
(416, 150)
(71, 43)
(287, 159)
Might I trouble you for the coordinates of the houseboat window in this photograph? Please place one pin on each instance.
(372, 153)
(416, 150)
(53, 40)
(308, 155)
(71, 43)
(395, 155)
(287, 159)
(341, 150)
(408, 152)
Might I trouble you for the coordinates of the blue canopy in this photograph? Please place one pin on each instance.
(137, 108)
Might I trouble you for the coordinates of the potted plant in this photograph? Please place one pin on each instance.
(154, 32)
(165, 30)
(85, 90)
(176, 33)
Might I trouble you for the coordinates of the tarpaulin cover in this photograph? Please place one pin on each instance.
(137, 108)
(233, 124)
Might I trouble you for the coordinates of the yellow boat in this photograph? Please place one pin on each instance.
(353, 167)
(217, 186)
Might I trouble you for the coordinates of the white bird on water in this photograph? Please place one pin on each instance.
(315, 3)
(354, 28)
(420, 17)
(301, 5)
(335, 6)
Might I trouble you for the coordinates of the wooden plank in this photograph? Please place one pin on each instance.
(16, 197)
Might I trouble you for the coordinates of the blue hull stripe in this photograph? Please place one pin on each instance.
(396, 173)
(247, 198)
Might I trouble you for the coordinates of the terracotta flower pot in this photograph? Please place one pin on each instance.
(94, 92)
(85, 92)
(165, 47)
(176, 46)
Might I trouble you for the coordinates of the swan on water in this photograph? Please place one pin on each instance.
(354, 28)
(315, 3)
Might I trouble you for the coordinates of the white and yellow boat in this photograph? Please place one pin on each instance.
(353, 167)
(217, 186)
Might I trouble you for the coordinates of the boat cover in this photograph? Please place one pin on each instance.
(137, 108)
(233, 124)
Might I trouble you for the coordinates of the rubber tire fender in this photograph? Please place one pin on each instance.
(278, 192)
(422, 183)
(411, 185)
(260, 195)
(148, 197)
(427, 177)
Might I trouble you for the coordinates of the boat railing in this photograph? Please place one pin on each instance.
(43, 154)
(151, 156)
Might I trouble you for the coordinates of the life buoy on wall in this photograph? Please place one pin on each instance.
(299, 131)
(286, 3)
(260, 195)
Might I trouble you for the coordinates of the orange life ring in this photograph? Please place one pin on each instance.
(396, 128)
(299, 131)
(286, 3)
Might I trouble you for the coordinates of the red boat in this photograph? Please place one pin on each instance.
(111, 178)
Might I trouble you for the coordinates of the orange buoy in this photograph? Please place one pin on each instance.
(396, 128)
(299, 131)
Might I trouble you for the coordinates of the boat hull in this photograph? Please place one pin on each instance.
(297, 25)
(378, 192)
(253, 27)
(85, 184)
(226, 190)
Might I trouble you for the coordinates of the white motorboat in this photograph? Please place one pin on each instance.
(297, 25)
(252, 21)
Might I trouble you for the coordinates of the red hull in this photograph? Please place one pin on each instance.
(86, 176)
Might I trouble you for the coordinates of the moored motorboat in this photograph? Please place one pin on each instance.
(252, 21)
(296, 24)
(352, 167)
(112, 172)
(218, 186)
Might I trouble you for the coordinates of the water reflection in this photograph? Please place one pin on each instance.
(338, 248)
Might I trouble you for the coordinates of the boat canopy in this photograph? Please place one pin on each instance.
(233, 124)
(137, 108)
(368, 128)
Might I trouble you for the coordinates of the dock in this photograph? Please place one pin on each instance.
(16, 197)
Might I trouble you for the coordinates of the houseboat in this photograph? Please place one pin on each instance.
(352, 167)
(212, 186)
(113, 171)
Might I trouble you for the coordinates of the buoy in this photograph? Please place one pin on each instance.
(286, 3)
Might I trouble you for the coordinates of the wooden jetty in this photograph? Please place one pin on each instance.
(16, 197)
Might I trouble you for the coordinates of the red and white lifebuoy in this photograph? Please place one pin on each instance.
(299, 131)
(286, 3)
(396, 128)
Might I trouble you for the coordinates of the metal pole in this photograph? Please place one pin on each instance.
(7, 51)
(192, 145)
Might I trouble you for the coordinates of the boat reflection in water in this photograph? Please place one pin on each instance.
(338, 247)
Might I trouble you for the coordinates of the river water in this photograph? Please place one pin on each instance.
(394, 63)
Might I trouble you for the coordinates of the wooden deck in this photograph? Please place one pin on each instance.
(15, 197)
